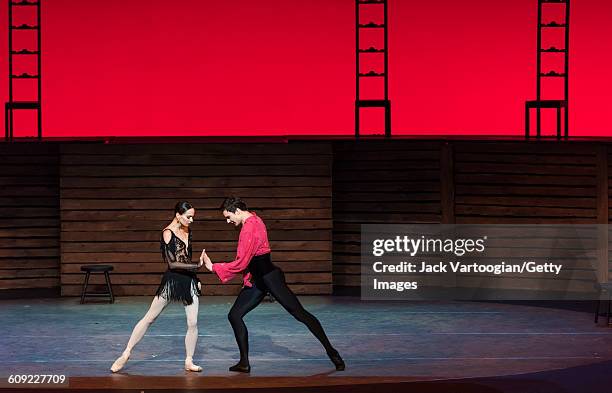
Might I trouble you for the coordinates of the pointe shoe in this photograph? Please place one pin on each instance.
(337, 360)
(189, 366)
(120, 362)
(241, 368)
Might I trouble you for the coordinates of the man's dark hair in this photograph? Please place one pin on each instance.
(232, 203)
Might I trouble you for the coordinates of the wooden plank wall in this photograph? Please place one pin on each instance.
(115, 199)
(380, 182)
(531, 183)
(525, 183)
(29, 216)
(463, 182)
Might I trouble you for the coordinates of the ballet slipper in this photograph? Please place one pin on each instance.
(336, 359)
(120, 362)
(189, 366)
(241, 367)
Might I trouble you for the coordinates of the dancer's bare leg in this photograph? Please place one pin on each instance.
(191, 338)
(157, 306)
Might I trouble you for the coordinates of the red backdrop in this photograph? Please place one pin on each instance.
(270, 67)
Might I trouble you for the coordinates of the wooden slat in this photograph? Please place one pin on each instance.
(192, 193)
(208, 290)
(223, 149)
(157, 225)
(134, 246)
(29, 283)
(209, 235)
(200, 171)
(209, 204)
(178, 182)
(524, 190)
(190, 159)
(118, 279)
(160, 267)
(132, 257)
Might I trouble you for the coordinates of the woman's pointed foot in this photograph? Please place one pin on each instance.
(120, 362)
(336, 360)
(189, 366)
(241, 367)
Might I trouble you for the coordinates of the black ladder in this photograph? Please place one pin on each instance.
(21, 29)
(378, 50)
(558, 104)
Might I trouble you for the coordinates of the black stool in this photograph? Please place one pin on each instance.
(88, 269)
(605, 287)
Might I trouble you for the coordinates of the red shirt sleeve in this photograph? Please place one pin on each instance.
(247, 246)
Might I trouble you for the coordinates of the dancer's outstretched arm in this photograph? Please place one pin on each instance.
(246, 249)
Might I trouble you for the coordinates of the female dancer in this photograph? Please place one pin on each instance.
(179, 282)
(259, 276)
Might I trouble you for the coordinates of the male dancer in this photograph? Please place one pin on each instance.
(259, 276)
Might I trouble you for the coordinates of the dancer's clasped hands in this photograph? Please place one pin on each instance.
(205, 259)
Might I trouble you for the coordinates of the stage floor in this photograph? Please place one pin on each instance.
(382, 342)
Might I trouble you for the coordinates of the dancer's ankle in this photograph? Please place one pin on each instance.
(120, 362)
(189, 366)
(335, 357)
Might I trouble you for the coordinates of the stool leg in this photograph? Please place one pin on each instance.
(39, 114)
(559, 122)
(388, 120)
(526, 122)
(109, 286)
(6, 123)
(11, 119)
(538, 122)
(565, 115)
(85, 288)
(356, 120)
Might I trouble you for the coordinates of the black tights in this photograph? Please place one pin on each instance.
(250, 297)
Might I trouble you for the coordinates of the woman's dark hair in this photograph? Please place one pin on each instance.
(232, 203)
(182, 206)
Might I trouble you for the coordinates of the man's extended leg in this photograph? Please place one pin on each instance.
(275, 282)
(247, 300)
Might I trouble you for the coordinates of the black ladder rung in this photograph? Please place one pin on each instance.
(22, 105)
(25, 52)
(552, 74)
(371, 50)
(97, 294)
(25, 27)
(23, 3)
(371, 74)
(371, 25)
(553, 49)
(546, 104)
(25, 75)
(372, 103)
(553, 24)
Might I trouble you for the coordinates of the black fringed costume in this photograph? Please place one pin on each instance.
(180, 281)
